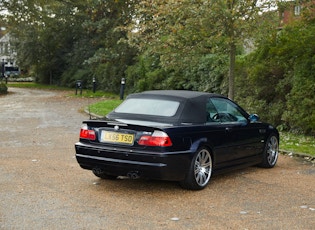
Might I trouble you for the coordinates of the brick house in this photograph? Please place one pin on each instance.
(291, 11)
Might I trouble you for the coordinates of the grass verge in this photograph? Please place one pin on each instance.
(35, 86)
(72, 91)
(104, 107)
(297, 143)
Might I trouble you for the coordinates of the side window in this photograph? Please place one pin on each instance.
(226, 111)
(211, 111)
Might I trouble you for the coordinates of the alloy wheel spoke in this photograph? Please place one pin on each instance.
(203, 167)
(272, 150)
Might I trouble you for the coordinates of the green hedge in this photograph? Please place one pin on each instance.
(3, 88)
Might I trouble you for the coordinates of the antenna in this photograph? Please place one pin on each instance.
(89, 112)
(89, 109)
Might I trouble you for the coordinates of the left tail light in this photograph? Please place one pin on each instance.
(158, 138)
(86, 133)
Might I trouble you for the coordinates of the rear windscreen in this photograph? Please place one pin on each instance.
(156, 107)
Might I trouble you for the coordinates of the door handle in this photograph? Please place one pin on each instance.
(228, 129)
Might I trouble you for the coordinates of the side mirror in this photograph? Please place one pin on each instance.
(253, 118)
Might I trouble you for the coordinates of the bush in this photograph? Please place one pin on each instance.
(3, 88)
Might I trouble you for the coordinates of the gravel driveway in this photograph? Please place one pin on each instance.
(43, 187)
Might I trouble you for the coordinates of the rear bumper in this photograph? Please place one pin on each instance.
(171, 166)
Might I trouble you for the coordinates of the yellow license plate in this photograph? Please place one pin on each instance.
(117, 137)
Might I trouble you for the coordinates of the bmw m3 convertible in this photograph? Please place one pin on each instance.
(176, 135)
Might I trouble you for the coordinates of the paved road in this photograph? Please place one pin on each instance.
(42, 186)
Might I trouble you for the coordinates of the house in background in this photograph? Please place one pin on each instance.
(291, 11)
(8, 57)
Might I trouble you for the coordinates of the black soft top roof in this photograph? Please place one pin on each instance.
(192, 107)
(176, 93)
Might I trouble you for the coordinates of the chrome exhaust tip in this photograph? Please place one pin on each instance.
(133, 175)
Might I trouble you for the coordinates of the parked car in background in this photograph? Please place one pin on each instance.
(176, 135)
(11, 71)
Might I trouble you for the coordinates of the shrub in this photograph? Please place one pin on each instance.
(3, 88)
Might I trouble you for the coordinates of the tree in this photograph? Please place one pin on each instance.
(44, 33)
(183, 31)
(112, 52)
(62, 41)
(280, 78)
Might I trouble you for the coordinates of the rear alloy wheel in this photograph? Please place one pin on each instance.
(271, 152)
(200, 171)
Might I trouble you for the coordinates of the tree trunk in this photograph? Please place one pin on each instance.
(50, 78)
(232, 71)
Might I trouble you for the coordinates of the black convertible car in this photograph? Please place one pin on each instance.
(176, 135)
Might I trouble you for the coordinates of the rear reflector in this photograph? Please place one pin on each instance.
(158, 138)
(86, 133)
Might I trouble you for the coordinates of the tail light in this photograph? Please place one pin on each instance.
(87, 133)
(158, 138)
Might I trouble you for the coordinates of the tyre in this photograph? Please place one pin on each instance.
(101, 174)
(271, 152)
(200, 170)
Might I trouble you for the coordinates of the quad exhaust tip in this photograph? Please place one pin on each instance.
(133, 175)
(98, 171)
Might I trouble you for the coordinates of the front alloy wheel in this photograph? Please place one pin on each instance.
(200, 171)
(271, 152)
